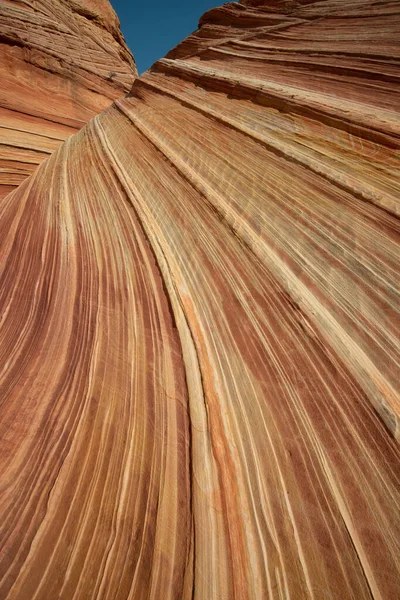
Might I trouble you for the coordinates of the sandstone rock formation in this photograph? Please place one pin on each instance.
(61, 63)
(199, 333)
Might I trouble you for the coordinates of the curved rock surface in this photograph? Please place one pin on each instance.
(61, 63)
(199, 332)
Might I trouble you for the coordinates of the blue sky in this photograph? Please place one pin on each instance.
(153, 27)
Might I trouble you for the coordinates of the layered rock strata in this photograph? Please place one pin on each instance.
(199, 334)
(61, 63)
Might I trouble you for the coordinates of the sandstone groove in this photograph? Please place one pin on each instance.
(199, 334)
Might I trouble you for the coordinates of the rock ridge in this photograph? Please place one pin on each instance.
(62, 62)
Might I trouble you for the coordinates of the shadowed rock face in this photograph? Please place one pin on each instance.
(61, 63)
(199, 337)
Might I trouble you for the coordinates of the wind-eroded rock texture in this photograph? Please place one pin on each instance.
(200, 325)
(61, 63)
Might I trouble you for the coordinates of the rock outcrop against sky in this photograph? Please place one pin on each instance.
(199, 334)
(61, 63)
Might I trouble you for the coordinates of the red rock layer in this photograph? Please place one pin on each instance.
(199, 335)
(61, 63)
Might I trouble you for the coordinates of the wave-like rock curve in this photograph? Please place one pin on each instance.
(199, 325)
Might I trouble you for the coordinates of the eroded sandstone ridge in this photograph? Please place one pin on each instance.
(61, 63)
(199, 333)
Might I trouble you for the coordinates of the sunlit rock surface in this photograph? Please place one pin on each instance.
(61, 63)
(199, 325)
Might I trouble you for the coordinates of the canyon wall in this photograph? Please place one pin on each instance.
(199, 328)
(61, 63)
